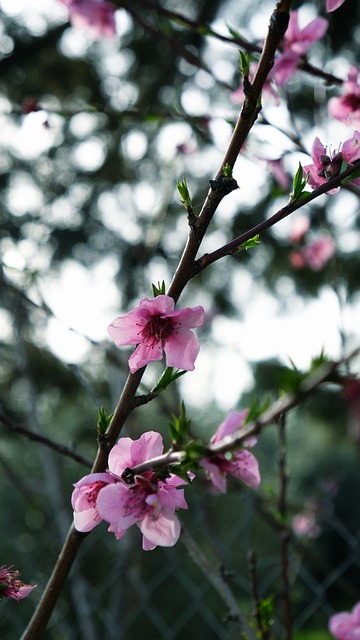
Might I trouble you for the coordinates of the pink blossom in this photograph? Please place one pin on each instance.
(346, 626)
(346, 108)
(156, 328)
(150, 501)
(351, 148)
(318, 253)
(315, 254)
(83, 500)
(11, 586)
(299, 229)
(304, 525)
(97, 15)
(332, 5)
(296, 42)
(327, 165)
(240, 464)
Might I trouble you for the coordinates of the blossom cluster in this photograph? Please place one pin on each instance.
(327, 164)
(150, 499)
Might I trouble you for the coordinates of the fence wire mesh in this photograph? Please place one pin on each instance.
(119, 592)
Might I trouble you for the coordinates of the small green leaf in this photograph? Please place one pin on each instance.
(184, 194)
(249, 244)
(233, 32)
(227, 171)
(256, 408)
(159, 289)
(180, 428)
(244, 63)
(299, 184)
(168, 376)
(266, 611)
(195, 450)
(103, 420)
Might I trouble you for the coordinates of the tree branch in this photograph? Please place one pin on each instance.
(37, 437)
(234, 245)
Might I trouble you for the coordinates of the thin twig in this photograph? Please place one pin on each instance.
(214, 576)
(14, 427)
(284, 532)
(235, 245)
(324, 373)
(264, 634)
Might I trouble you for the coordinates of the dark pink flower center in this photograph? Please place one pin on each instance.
(93, 493)
(352, 101)
(331, 166)
(158, 329)
(9, 584)
(136, 504)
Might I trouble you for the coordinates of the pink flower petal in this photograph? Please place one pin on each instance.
(314, 31)
(245, 467)
(188, 317)
(181, 350)
(215, 473)
(351, 148)
(144, 354)
(232, 422)
(112, 505)
(23, 591)
(84, 498)
(160, 305)
(125, 330)
(284, 67)
(149, 445)
(163, 530)
(332, 5)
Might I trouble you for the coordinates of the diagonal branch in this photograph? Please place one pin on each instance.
(235, 245)
(13, 427)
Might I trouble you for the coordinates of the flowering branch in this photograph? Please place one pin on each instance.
(278, 24)
(187, 268)
(324, 373)
(234, 245)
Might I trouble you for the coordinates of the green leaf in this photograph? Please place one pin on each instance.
(249, 244)
(227, 171)
(244, 63)
(195, 450)
(299, 184)
(180, 428)
(168, 376)
(256, 408)
(184, 194)
(159, 289)
(266, 611)
(103, 420)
